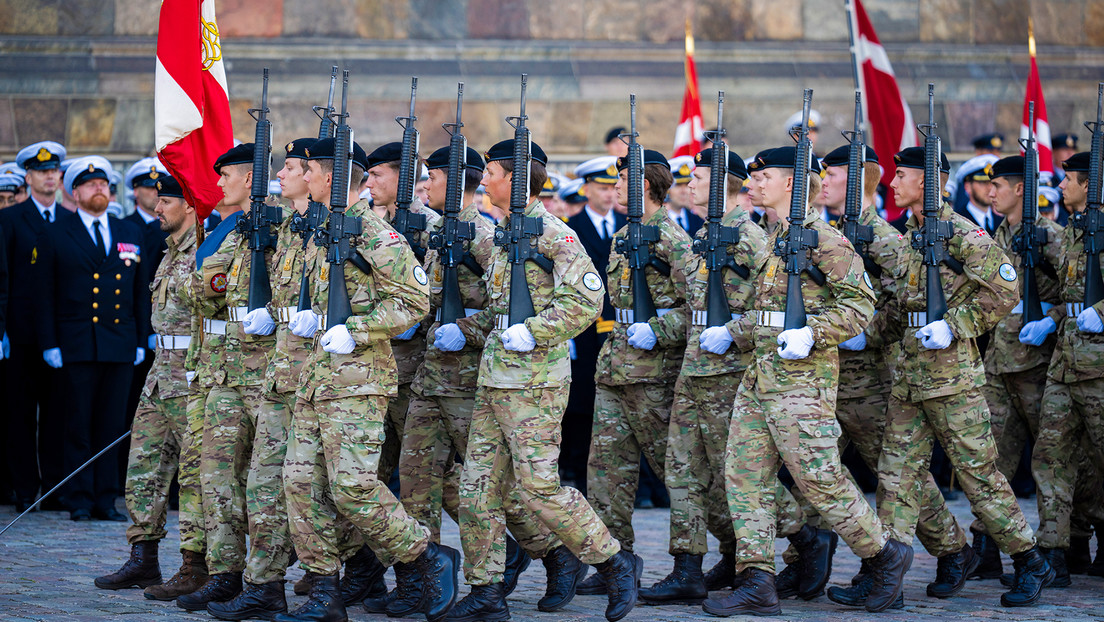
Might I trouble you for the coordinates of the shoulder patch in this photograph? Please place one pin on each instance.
(218, 282)
(570, 239)
(420, 275)
(592, 282)
(1007, 272)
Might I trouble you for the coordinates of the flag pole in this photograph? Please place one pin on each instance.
(853, 48)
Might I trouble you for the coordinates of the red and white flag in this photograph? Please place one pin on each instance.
(888, 120)
(689, 133)
(1034, 93)
(191, 105)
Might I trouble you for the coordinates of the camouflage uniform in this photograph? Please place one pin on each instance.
(786, 408)
(937, 393)
(1072, 407)
(332, 464)
(162, 433)
(632, 407)
(514, 441)
(244, 438)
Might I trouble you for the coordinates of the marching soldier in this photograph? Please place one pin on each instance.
(338, 427)
(514, 439)
(163, 439)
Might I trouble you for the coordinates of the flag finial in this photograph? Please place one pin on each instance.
(689, 36)
(1031, 37)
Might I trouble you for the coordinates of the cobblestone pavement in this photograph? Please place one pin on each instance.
(47, 564)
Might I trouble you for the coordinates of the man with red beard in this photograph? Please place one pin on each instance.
(93, 306)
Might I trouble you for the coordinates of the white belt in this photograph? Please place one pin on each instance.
(1073, 309)
(1018, 309)
(701, 318)
(467, 313)
(502, 322)
(283, 314)
(771, 319)
(214, 327)
(174, 342)
(625, 316)
(237, 314)
(917, 319)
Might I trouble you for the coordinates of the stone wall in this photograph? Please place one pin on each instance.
(80, 71)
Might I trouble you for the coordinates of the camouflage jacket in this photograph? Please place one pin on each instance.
(409, 352)
(976, 300)
(866, 372)
(1077, 356)
(456, 374)
(566, 301)
(1005, 353)
(291, 351)
(693, 278)
(385, 302)
(172, 315)
(618, 362)
(207, 354)
(836, 311)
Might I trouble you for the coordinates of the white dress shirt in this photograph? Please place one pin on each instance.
(598, 219)
(105, 230)
(44, 209)
(983, 216)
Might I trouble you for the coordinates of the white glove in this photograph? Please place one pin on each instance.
(795, 343)
(337, 340)
(1035, 333)
(189, 376)
(449, 338)
(52, 357)
(408, 334)
(571, 353)
(303, 324)
(139, 356)
(258, 322)
(517, 338)
(641, 336)
(855, 344)
(1088, 321)
(151, 343)
(715, 339)
(936, 335)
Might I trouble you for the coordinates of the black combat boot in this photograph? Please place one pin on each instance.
(951, 572)
(405, 599)
(855, 596)
(361, 573)
(219, 587)
(593, 585)
(141, 570)
(517, 560)
(323, 604)
(1078, 556)
(483, 603)
(263, 601)
(807, 577)
(684, 586)
(622, 573)
(1032, 574)
(723, 574)
(887, 571)
(1057, 560)
(438, 566)
(755, 596)
(564, 572)
(989, 559)
(302, 586)
(191, 576)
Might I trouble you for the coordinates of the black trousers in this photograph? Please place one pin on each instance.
(95, 397)
(32, 406)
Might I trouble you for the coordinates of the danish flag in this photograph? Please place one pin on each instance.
(1034, 93)
(689, 133)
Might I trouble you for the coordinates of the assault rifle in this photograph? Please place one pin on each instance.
(713, 248)
(519, 237)
(341, 230)
(1031, 238)
(859, 235)
(798, 240)
(933, 235)
(407, 224)
(636, 246)
(1091, 221)
(258, 223)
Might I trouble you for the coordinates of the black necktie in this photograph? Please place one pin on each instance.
(605, 230)
(46, 215)
(99, 238)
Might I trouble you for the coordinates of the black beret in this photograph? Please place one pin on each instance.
(841, 155)
(238, 154)
(440, 158)
(735, 162)
(780, 157)
(504, 150)
(323, 149)
(1012, 166)
(651, 156)
(614, 133)
(913, 157)
(1078, 162)
(298, 147)
(390, 152)
(1069, 141)
(988, 141)
(167, 186)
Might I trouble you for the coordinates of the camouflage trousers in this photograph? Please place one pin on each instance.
(628, 419)
(394, 425)
(332, 471)
(514, 449)
(797, 428)
(436, 432)
(701, 413)
(960, 423)
(244, 439)
(163, 438)
(1071, 425)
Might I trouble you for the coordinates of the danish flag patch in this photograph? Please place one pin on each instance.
(570, 239)
(394, 236)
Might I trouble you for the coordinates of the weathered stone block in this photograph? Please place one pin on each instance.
(251, 18)
(776, 20)
(29, 17)
(382, 19)
(722, 20)
(39, 119)
(563, 20)
(7, 126)
(320, 17)
(663, 22)
(133, 127)
(91, 122)
(614, 21)
(1053, 21)
(1000, 21)
(945, 21)
(824, 21)
(139, 17)
(1094, 23)
(438, 19)
(896, 20)
(498, 19)
(86, 17)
